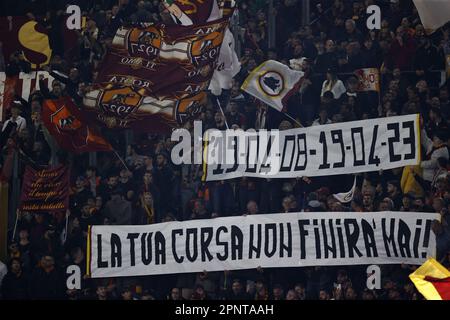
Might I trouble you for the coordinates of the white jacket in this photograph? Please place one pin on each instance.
(430, 166)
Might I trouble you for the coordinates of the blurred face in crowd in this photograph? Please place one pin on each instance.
(367, 200)
(350, 294)
(385, 205)
(237, 287)
(443, 95)
(175, 294)
(349, 26)
(368, 295)
(98, 202)
(15, 112)
(419, 203)
(437, 142)
(47, 262)
(368, 43)
(23, 234)
(57, 89)
(101, 292)
(148, 198)
(113, 181)
(200, 291)
(299, 290)
(218, 118)
(291, 295)
(406, 201)
(435, 102)
(199, 207)
(148, 178)
(251, 64)
(127, 295)
(438, 204)
(252, 207)
(394, 295)
(286, 203)
(278, 293)
(160, 160)
(391, 189)
(329, 46)
(115, 10)
(39, 218)
(422, 86)
(16, 268)
(74, 73)
(341, 277)
(420, 31)
(86, 210)
(323, 295)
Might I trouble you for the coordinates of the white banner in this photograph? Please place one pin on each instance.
(341, 148)
(271, 240)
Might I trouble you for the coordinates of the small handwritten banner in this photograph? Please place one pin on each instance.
(45, 190)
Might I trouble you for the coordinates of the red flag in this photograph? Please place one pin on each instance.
(45, 189)
(67, 125)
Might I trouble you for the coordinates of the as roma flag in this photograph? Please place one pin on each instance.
(432, 280)
(70, 129)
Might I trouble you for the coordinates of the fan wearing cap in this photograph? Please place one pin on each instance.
(435, 149)
(16, 118)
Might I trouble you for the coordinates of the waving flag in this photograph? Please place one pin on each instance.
(227, 67)
(346, 197)
(432, 280)
(433, 13)
(69, 128)
(155, 76)
(273, 83)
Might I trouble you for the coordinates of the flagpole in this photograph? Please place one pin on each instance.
(67, 224)
(290, 117)
(121, 160)
(221, 110)
(15, 225)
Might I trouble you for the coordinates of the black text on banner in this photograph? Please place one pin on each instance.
(272, 240)
(341, 148)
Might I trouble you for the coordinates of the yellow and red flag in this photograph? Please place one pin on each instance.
(432, 280)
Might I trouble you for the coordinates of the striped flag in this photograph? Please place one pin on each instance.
(432, 280)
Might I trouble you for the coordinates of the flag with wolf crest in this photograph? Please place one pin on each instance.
(155, 76)
(273, 83)
(68, 125)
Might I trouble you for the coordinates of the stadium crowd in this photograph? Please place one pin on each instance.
(153, 190)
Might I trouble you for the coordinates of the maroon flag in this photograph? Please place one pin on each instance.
(155, 77)
(69, 128)
(45, 190)
(32, 39)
